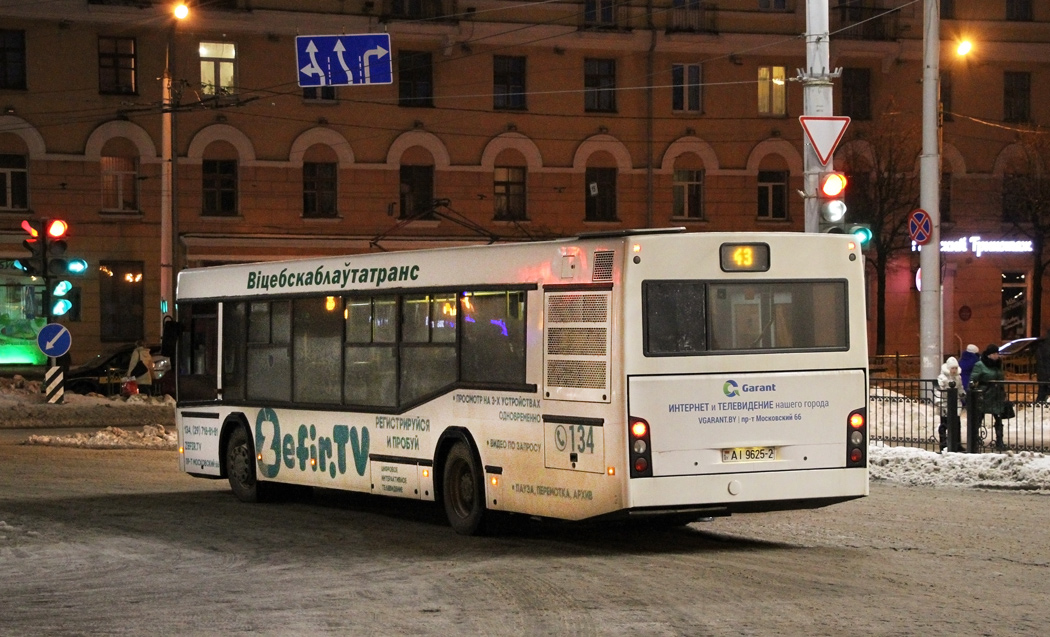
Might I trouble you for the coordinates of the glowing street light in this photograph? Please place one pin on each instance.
(964, 47)
(181, 11)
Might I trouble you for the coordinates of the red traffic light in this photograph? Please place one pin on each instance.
(30, 227)
(56, 228)
(832, 184)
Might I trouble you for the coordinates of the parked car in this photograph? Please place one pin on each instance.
(104, 373)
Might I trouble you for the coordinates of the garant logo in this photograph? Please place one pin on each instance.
(306, 449)
(730, 389)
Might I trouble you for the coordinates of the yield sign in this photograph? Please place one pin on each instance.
(920, 226)
(824, 134)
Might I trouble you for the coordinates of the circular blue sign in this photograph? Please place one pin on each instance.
(54, 340)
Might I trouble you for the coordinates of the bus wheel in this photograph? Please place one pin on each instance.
(464, 492)
(240, 467)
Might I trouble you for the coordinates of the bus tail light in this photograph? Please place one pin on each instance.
(857, 438)
(640, 449)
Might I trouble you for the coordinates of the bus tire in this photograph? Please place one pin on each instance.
(240, 468)
(463, 490)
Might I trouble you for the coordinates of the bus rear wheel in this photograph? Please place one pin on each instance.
(463, 490)
(240, 468)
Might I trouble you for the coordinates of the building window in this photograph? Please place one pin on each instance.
(415, 84)
(218, 69)
(116, 65)
(219, 187)
(856, 93)
(688, 194)
(1015, 306)
(772, 90)
(417, 192)
(772, 5)
(120, 184)
(947, 9)
(685, 88)
(12, 59)
(319, 93)
(599, 85)
(946, 96)
(1015, 200)
(1019, 10)
(599, 13)
(944, 206)
(772, 194)
(1017, 94)
(14, 182)
(508, 82)
(600, 194)
(509, 189)
(319, 189)
(120, 301)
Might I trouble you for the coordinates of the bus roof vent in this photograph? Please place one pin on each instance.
(603, 266)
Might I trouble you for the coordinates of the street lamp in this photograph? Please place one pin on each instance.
(169, 174)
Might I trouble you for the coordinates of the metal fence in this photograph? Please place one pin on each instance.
(907, 411)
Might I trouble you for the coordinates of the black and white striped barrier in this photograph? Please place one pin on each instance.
(54, 385)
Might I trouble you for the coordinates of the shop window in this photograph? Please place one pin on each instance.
(1015, 306)
(121, 309)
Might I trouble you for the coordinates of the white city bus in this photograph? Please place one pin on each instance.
(617, 374)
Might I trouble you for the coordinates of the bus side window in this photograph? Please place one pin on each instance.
(198, 353)
(493, 348)
(269, 359)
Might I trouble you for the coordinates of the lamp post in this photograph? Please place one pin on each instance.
(169, 173)
(930, 317)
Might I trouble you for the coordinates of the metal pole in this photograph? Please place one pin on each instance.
(929, 196)
(167, 282)
(817, 99)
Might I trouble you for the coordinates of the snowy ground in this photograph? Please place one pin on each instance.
(905, 465)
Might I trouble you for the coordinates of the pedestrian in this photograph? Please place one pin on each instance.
(950, 376)
(968, 359)
(1042, 367)
(989, 394)
(140, 368)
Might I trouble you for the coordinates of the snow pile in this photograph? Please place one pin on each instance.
(918, 467)
(151, 437)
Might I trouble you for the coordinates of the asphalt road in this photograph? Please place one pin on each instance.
(119, 542)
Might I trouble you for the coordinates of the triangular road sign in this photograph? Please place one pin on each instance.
(824, 133)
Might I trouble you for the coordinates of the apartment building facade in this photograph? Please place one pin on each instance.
(505, 121)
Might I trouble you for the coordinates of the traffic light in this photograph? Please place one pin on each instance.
(831, 192)
(861, 233)
(56, 246)
(36, 263)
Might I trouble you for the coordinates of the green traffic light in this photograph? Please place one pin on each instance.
(61, 306)
(62, 288)
(862, 234)
(76, 266)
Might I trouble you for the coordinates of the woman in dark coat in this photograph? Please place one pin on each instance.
(990, 397)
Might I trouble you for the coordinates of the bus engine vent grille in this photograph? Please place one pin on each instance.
(603, 266)
(576, 374)
(578, 308)
(578, 346)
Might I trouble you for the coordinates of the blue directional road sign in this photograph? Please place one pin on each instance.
(54, 340)
(344, 60)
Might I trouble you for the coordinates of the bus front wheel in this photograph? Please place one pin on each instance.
(240, 468)
(464, 491)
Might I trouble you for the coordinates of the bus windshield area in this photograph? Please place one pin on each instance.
(684, 317)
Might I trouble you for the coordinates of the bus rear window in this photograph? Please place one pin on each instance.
(694, 317)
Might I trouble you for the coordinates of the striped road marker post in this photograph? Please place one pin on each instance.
(54, 384)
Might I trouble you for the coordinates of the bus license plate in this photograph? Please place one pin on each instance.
(749, 454)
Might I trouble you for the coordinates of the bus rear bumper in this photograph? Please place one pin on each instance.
(746, 492)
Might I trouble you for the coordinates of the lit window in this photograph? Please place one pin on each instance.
(218, 68)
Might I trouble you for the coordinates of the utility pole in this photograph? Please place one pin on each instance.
(929, 195)
(817, 100)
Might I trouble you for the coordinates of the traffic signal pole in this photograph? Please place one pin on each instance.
(817, 99)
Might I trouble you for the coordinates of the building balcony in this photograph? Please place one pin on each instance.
(854, 20)
(692, 16)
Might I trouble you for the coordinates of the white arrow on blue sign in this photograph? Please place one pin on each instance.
(54, 339)
(344, 60)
